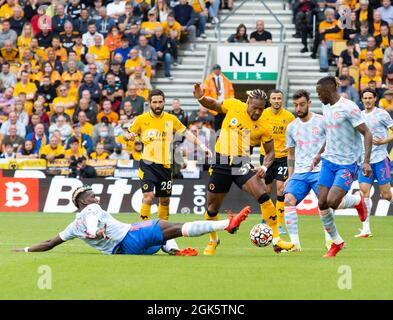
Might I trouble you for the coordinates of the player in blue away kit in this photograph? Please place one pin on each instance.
(343, 123)
(379, 122)
(101, 231)
(304, 139)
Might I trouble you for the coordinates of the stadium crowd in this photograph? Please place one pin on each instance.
(74, 74)
(356, 36)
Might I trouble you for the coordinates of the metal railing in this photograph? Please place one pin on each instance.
(207, 62)
(282, 29)
(282, 81)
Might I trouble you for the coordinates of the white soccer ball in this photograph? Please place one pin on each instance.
(261, 235)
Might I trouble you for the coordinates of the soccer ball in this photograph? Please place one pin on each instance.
(261, 235)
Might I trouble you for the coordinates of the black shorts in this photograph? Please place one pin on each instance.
(223, 173)
(156, 177)
(277, 171)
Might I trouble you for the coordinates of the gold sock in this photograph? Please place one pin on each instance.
(270, 216)
(145, 212)
(280, 212)
(214, 234)
(163, 212)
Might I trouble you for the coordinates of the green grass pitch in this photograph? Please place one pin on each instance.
(239, 270)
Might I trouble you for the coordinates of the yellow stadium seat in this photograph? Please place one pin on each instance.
(354, 73)
(338, 47)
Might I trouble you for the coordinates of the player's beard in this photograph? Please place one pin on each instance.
(157, 111)
(302, 114)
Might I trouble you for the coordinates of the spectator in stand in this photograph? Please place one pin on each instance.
(105, 23)
(240, 36)
(345, 86)
(74, 9)
(371, 75)
(127, 110)
(27, 151)
(351, 32)
(11, 138)
(105, 138)
(85, 141)
(119, 73)
(21, 113)
(17, 21)
(162, 10)
(348, 57)
(118, 129)
(68, 101)
(368, 62)
(73, 75)
(133, 35)
(161, 44)
(59, 19)
(388, 51)
(13, 120)
(387, 101)
(147, 27)
(185, 15)
(81, 170)
(365, 12)
(89, 85)
(39, 109)
(119, 153)
(148, 53)
(38, 137)
(303, 17)
(86, 127)
(387, 67)
(203, 117)
(191, 151)
(142, 83)
(7, 101)
(386, 11)
(178, 112)
(135, 61)
(52, 151)
(362, 37)
(260, 35)
(99, 153)
(108, 112)
(172, 29)
(330, 32)
(128, 19)
(7, 9)
(345, 72)
(67, 37)
(201, 14)
(82, 23)
(88, 37)
(371, 46)
(7, 33)
(137, 102)
(48, 90)
(383, 39)
(74, 151)
(59, 111)
(113, 92)
(8, 152)
(7, 78)
(88, 106)
(116, 9)
(100, 51)
(64, 128)
(124, 49)
(113, 39)
(376, 23)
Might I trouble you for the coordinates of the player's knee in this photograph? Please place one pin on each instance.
(333, 202)
(263, 198)
(211, 214)
(164, 201)
(386, 195)
(322, 204)
(290, 200)
(148, 198)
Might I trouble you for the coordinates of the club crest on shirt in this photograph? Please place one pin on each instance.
(234, 122)
(315, 130)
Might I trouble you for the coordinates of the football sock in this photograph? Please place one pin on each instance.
(280, 209)
(349, 201)
(170, 245)
(163, 212)
(213, 235)
(270, 216)
(145, 212)
(198, 228)
(291, 221)
(327, 217)
(366, 224)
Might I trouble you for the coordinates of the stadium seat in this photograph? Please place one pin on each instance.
(338, 47)
(354, 72)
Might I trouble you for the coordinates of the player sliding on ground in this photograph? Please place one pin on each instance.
(343, 123)
(242, 128)
(305, 137)
(101, 231)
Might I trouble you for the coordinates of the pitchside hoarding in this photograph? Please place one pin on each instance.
(249, 62)
(125, 195)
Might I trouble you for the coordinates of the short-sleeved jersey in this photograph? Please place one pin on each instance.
(379, 122)
(279, 123)
(48, 150)
(239, 131)
(156, 134)
(115, 230)
(343, 141)
(307, 138)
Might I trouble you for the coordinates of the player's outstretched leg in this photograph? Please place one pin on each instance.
(355, 201)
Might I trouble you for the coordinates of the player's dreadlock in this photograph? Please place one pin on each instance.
(78, 192)
(329, 80)
(256, 94)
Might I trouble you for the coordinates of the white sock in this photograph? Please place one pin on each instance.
(198, 228)
(291, 222)
(169, 245)
(366, 224)
(349, 201)
(327, 217)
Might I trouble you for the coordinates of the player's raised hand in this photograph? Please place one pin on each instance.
(101, 233)
(260, 172)
(129, 136)
(198, 91)
(366, 169)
